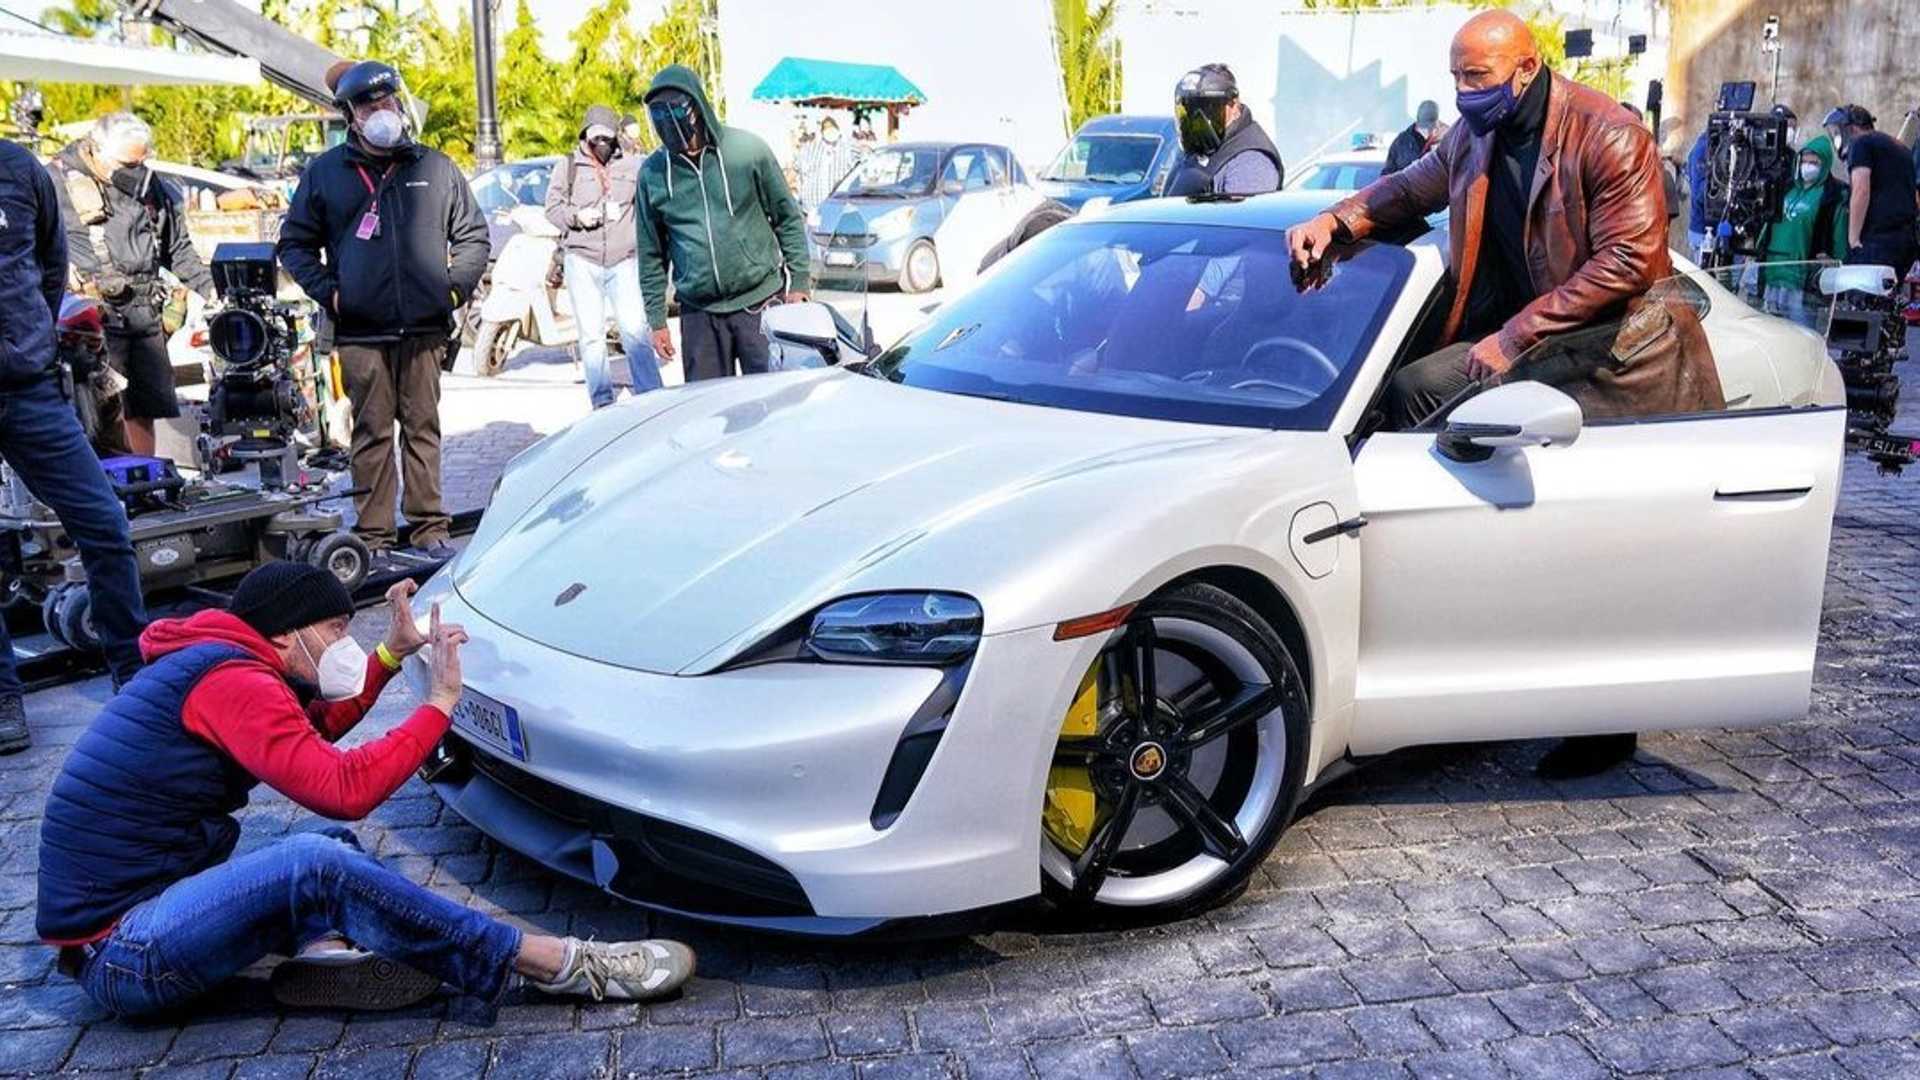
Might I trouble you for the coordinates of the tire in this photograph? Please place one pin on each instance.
(343, 555)
(50, 615)
(493, 347)
(920, 270)
(75, 617)
(1164, 820)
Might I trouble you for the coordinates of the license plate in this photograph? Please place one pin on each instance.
(840, 258)
(490, 722)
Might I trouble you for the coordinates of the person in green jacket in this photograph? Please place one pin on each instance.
(717, 218)
(1812, 225)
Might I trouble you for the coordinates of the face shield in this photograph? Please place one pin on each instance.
(676, 120)
(1203, 123)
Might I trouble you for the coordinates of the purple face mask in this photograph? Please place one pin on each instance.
(1484, 110)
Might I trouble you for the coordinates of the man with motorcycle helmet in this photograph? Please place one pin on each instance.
(124, 226)
(1227, 151)
(404, 246)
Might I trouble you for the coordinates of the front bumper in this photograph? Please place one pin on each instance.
(751, 796)
(885, 259)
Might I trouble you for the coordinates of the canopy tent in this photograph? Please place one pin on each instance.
(36, 57)
(833, 84)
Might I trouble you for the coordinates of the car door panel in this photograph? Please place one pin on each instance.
(1651, 575)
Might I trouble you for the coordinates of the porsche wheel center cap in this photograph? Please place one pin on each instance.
(1148, 761)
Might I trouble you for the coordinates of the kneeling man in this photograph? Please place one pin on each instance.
(136, 885)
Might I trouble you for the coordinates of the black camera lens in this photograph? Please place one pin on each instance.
(237, 336)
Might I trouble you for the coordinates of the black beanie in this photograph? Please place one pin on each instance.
(281, 596)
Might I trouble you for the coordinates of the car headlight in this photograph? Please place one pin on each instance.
(893, 223)
(897, 628)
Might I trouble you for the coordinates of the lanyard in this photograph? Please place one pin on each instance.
(374, 204)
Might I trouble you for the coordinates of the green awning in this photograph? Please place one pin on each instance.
(831, 82)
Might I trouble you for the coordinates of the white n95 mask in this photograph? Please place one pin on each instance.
(342, 668)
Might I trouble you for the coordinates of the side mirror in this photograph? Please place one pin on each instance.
(1516, 414)
(952, 187)
(807, 326)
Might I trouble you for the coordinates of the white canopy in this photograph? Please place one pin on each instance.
(36, 57)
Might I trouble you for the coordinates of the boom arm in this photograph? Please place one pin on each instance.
(286, 59)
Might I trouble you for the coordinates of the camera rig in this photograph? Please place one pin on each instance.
(255, 405)
(1866, 336)
(1750, 166)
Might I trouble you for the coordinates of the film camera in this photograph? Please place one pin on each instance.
(1866, 336)
(1750, 167)
(255, 401)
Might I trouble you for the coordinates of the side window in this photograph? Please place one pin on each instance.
(996, 168)
(960, 167)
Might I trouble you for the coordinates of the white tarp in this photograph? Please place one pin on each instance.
(35, 57)
(1311, 79)
(987, 66)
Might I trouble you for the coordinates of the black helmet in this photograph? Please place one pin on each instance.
(368, 80)
(1200, 102)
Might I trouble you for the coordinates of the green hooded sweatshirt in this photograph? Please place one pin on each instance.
(1810, 210)
(724, 223)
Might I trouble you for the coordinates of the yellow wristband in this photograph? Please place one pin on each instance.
(387, 659)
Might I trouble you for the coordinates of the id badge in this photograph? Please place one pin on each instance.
(369, 226)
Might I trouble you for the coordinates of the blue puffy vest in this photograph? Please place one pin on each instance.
(140, 802)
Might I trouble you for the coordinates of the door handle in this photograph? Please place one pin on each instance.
(1778, 491)
(1349, 527)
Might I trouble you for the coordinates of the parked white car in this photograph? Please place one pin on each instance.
(1082, 585)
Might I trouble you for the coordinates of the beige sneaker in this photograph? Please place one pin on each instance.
(621, 970)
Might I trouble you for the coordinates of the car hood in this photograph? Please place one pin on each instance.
(754, 500)
(1075, 193)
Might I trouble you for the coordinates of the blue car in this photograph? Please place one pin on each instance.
(1120, 157)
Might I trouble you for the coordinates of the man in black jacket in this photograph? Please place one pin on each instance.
(1419, 138)
(1227, 151)
(405, 245)
(40, 437)
(124, 226)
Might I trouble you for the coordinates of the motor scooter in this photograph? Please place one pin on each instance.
(520, 301)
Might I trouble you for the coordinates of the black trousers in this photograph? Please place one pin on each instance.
(1420, 388)
(713, 345)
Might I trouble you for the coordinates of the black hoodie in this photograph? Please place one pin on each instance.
(426, 259)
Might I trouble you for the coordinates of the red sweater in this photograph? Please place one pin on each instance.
(248, 710)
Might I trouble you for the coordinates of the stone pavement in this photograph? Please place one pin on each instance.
(1732, 904)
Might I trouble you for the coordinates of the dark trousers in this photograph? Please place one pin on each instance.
(1895, 249)
(1421, 387)
(714, 345)
(42, 441)
(388, 382)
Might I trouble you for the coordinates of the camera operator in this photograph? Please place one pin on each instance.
(1882, 210)
(40, 437)
(1535, 254)
(124, 225)
(405, 245)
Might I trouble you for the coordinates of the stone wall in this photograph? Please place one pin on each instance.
(1836, 52)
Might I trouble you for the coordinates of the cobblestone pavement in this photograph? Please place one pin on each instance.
(1731, 904)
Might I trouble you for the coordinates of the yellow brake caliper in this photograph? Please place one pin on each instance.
(1069, 812)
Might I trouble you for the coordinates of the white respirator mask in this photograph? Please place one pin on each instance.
(341, 669)
(1810, 173)
(385, 129)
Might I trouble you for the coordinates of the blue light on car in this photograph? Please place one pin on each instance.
(897, 628)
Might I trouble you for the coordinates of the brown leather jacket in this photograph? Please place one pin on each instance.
(1596, 243)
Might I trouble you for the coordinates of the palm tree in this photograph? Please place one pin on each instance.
(1089, 57)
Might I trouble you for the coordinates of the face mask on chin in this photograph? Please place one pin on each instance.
(342, 668)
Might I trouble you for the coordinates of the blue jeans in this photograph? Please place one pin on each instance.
(41, 439)
(310, 886)
(590, 287)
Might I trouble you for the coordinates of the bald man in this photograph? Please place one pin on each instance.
(1558, 222)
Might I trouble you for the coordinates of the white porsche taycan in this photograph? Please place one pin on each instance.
(1078, 588)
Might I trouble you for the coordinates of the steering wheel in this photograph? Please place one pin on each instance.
(1312, 352)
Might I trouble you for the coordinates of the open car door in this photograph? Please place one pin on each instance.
(1527, 571)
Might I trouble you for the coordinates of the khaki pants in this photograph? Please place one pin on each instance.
(387, 382)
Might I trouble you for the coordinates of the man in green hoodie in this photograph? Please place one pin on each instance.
(1812, 225)
(717, 217)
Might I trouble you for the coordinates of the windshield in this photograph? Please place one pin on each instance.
(1105, 159)
(1168, 322)
(500, 190)
(1337, 176)
(894, 172)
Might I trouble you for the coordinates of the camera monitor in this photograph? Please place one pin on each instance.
(240, 268)
(1735, 97)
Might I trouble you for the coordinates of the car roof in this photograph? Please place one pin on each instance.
(939, 147)
(1276, 210)
(1127, 124)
